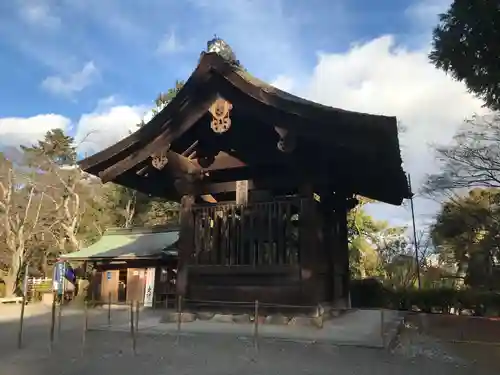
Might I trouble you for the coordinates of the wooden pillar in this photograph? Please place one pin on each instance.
(312, 291)
(329, 233)
(344, 252)
(341, 253)
(186, 243)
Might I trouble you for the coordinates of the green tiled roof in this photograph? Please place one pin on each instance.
(130, 243)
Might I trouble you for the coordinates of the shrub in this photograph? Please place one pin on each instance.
(370, 293)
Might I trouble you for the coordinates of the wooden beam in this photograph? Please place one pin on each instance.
(222, 161)
(209, 198)
(179, 123)
(148, 186)
(197, 86)
(204, 187)
(179, 165)
(190, 149)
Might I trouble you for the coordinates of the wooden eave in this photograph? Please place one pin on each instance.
(213, 77)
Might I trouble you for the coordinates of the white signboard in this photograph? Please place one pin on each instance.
(150, 287)
(242, 192)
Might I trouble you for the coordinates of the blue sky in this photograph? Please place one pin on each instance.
(122, 39)
(95, 66)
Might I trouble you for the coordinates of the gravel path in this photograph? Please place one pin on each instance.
(110, 352)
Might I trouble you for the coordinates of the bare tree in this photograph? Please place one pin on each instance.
(397, 256)
(63, 187)
(63, 182)
(472, 160)
(20, 206)
(130, 209)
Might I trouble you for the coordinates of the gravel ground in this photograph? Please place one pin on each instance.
(109, 352)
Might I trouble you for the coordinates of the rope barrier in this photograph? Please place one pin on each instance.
(249, 304)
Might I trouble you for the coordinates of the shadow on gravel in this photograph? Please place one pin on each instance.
(36, 332)
(111, 352)
(108, 352)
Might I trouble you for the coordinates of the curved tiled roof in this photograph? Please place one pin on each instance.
(374, 136)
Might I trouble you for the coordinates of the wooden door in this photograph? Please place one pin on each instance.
(136, 279)
(109, 285)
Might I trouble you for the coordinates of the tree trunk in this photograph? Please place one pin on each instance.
(130, 210)
(10, 285)
(12, 279)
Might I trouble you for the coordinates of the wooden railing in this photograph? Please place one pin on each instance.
(256, 234)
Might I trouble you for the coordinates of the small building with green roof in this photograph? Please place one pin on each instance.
(133, 264)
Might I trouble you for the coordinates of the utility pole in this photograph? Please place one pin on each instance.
(414, 233)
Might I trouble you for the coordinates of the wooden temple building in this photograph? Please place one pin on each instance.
(264, 179)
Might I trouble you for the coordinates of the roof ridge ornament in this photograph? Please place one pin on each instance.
(223, 49)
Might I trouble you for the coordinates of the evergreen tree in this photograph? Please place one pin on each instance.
(465, 44)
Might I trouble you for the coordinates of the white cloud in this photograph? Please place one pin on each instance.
(383, 78)
(39, 13)
(426, 12)
(69, 84)
(169, 44)
(94, 131)
(15, 131)
(106, 126)
(284, 83)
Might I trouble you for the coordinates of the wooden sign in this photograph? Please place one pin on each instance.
(242, 192)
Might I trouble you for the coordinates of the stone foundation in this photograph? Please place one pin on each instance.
(315, 319)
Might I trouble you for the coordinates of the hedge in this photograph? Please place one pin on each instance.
(370, 293)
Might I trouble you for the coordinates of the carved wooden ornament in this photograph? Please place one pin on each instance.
(221, 122)
(287, 141)
(160, 159)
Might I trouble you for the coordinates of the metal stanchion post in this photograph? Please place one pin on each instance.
(256, 326)
(462, 336)
(85, 326)
(132, 330)
(382, 328)
(109, 309)
(179, 317)
(59, 316)
(23, 306)
(137, 316)
(52, 321)
(21, 323)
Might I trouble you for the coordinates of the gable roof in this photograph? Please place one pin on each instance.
(374, 136)
(130, 244)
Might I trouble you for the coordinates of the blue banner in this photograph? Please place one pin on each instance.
(70, 274)
(58, 279)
